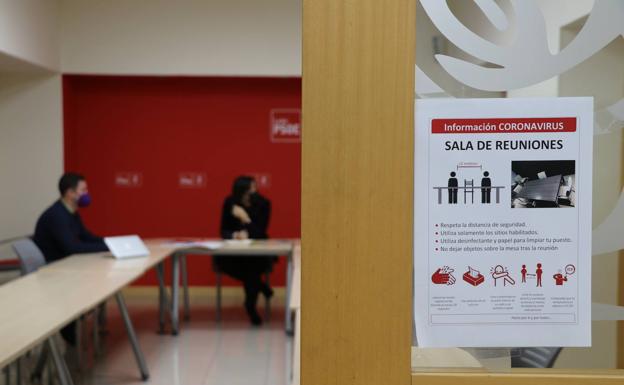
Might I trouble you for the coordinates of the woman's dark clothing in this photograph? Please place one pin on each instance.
(247, 269)
(259, 211)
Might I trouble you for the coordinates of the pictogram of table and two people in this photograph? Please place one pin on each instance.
(468, 189)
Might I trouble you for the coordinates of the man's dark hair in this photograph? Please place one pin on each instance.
(69, 180)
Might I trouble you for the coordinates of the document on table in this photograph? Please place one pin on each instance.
(238, 242)
(210, 245)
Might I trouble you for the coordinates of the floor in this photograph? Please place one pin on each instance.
(205, 352)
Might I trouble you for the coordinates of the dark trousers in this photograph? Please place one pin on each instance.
(249, 271)
(485, 195)
(69, 333)
(452, 195)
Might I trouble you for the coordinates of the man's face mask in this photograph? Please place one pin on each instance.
(84, 200)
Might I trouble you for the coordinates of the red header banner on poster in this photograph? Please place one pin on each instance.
(502, 126)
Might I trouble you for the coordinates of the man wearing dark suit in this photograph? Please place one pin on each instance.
(60, 232)
(486, 188)
(452, 188)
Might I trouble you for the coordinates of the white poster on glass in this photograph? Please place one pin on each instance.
(502, 222)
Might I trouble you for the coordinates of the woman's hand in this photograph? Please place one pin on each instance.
(241, 214)
(243, 234)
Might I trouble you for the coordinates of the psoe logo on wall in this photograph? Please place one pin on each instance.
(129, 179)
(285, 125)
(263, 180)
(192, 180)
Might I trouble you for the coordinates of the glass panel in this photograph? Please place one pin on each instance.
(539, 48)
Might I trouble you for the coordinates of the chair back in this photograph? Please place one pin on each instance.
(30, 257)
(534, 357)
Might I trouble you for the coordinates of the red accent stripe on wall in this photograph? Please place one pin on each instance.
(160, 154)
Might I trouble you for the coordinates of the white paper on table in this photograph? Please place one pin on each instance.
(211, 245)
(238, 242)
(178, 245)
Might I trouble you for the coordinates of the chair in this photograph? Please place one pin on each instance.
(31, 259)
(469, 189)
(29, 255)
(219, 274)
(534, 357)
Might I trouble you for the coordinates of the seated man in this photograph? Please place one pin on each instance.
(60, 231)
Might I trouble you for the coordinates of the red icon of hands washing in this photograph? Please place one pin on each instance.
(443, 276)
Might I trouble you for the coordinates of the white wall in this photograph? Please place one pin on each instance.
(29, 31)
(143, 37)
(189, 37)
(31, 149)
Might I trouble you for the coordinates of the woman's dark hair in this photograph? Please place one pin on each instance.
(68, 181)
(241, 186)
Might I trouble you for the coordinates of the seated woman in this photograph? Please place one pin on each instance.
(245, 215)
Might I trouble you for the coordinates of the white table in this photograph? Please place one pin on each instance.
(36, 306)
(260, 248)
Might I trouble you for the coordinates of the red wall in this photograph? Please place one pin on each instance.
(154, 129)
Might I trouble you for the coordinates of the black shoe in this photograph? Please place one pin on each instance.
(253, 315)
(255, 319)
(266, 291)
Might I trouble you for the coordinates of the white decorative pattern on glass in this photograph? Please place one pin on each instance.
(526, 60)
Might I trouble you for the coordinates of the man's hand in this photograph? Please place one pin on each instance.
(241, 214)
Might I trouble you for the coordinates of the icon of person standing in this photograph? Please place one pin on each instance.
(524, 272)
(538, 272)
(452, 190)
(486, 188)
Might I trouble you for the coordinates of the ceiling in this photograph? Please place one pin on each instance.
(11, 64)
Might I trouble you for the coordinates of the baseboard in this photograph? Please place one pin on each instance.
(200, 295)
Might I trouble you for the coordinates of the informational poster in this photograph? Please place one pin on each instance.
(502, 222)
